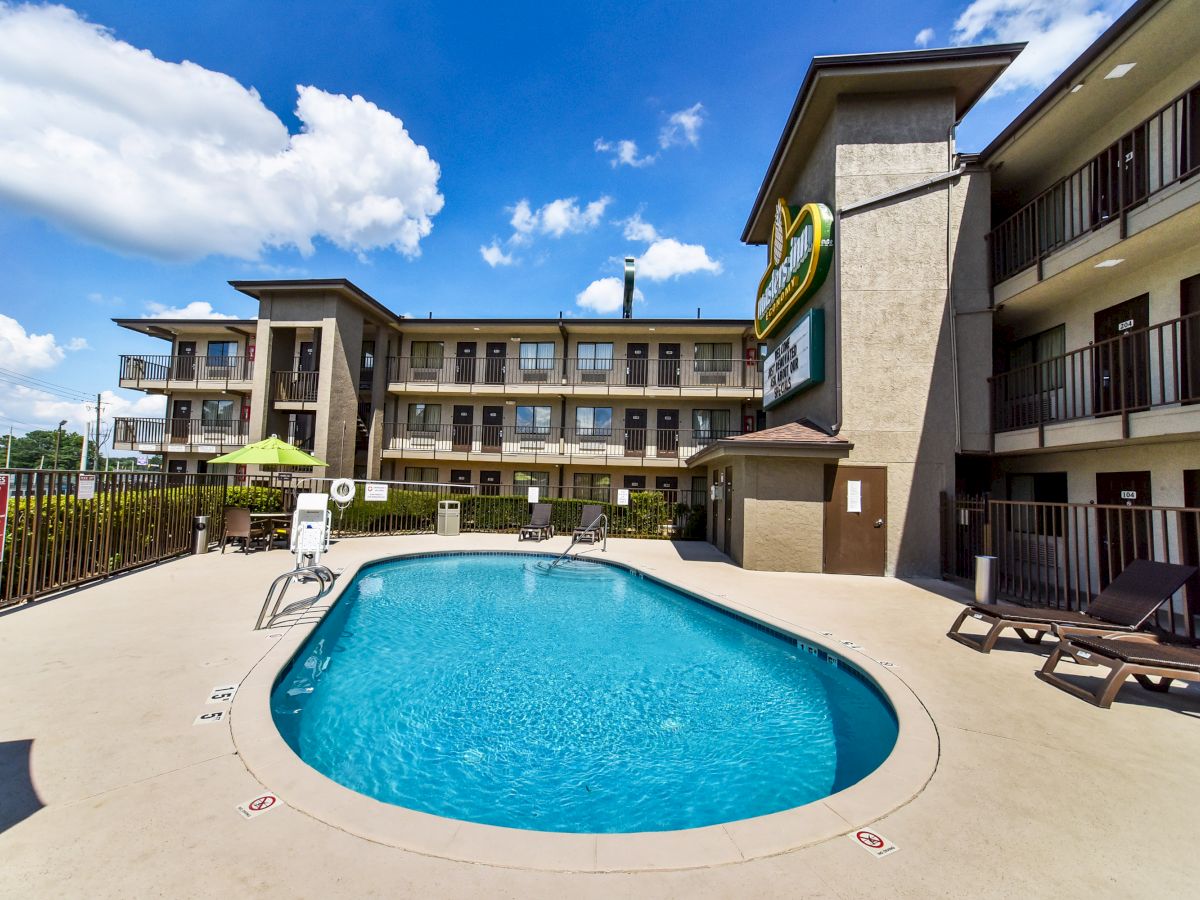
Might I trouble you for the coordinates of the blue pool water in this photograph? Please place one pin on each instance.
(588, 699)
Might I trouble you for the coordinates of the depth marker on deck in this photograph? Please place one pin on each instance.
(210, 718)
(222, 693)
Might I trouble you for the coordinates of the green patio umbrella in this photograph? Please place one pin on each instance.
(269, 452)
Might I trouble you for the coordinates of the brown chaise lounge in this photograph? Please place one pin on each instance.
(1141, 657)
(590, 528)
(1122, 607)
(539, 526)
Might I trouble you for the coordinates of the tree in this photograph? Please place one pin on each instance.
(29, 450)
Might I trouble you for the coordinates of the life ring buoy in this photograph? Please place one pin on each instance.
(342, 490)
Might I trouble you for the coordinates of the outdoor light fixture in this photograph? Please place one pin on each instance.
(1109, 263)
(1120, 71)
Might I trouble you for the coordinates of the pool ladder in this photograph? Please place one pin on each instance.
(603, 517)
(322, 574)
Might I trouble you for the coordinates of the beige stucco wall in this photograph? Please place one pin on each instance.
(782, 510)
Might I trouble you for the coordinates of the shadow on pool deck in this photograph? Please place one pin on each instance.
(19, 799)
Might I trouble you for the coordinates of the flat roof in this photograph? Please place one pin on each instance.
(167, 329)
(968, 71)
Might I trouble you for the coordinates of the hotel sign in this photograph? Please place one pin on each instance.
(798, 260)
(797, 362)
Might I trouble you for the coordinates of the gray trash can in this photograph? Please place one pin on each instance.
(985, 579)
(200, 534)
(448, 518)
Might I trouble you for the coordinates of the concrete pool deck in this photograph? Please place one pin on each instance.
(107, 789)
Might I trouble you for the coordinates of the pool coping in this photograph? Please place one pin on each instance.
(900, 778)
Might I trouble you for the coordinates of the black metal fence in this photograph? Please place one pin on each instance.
(1062, 555)
(67, 528)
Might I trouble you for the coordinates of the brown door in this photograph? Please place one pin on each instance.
(185, 360)
(635, 432)
(460, 476)
(855, 520)
(181, 421)
(464, 363)
(668, 486)
(1191, 545)
(1189, 339)
(728, 541)
(489, 483)
(1121, 363)
(496, 363)
(635, 482)
(492, 432)
(668, 365)
(1123, 534)
(635, 363)
(464, 420)
(668, 433)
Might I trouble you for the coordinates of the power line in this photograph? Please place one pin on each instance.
(46, 387)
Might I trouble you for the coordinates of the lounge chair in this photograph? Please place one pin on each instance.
(590, 528)
(239, 526)
(1140, 656)
(539, 526)
(1122, 607)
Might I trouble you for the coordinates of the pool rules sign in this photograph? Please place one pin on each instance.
(798, 360)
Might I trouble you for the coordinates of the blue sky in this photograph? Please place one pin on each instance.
(124, 216)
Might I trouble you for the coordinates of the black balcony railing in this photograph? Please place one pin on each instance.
(176, 371)
(294, 387)
(1150, 367)
(217, 433)
(626, 444)
(620, 374)
(1158, 153)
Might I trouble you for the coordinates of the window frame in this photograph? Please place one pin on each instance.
(422, 354)
(592, 360)
(592, 431)
(534, 428)
(712, 359)
(419, 422)
(537, 361)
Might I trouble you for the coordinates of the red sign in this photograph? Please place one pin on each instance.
(260, 803)
(3, 512)
(870, 839)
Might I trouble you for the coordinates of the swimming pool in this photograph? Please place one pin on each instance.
(588, 699)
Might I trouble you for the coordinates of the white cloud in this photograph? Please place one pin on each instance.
(668, 258)
(494, 256)
(605, 295)
(22, 350)
(197, 309)
(1057, 32)
(564, 216)
(924, 36)
(637, 230)
(624, 153)
(177, 162)
(78, 343)
(38, 410)
(683, 127)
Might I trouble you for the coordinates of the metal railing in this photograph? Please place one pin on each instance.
(1062, 555)
(1150, 367)
(56, 540)
(220, 433)
(621, 374)
(207, 371)
(294, 386)
(270, 611)
(511, 440)
(1161, 151)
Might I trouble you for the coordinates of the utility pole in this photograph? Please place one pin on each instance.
(8, 452)
(83, 453)
(58, 440)
(97, 462)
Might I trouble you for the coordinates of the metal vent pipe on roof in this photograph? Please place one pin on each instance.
(627, 310)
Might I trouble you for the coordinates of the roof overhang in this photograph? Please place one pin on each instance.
(341, 286)
(966, 71)
(169, 329)
(728, 448)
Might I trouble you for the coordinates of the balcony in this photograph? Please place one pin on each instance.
(626, 446)
(179, 435)
(172, 373)
(1141, 165)
(599, 377)
(1142, 384)
(294, 387)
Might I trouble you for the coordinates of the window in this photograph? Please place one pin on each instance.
(212, 411)
(1045, 347)
(593, 422)
(714, 357)
(592, 486)
(595, 357)
(421, 474)
(537, 355)
(427, 354)
(533, 420)
(424, 417)
(710, 424)
(524, 480)
(222, 353)
(699, 490)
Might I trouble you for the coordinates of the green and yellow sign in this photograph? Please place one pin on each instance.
(798, 260)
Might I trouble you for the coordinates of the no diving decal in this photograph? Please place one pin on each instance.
(256, 806)
(875, 844)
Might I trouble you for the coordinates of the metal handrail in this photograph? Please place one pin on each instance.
(603, 517)
(323, 574)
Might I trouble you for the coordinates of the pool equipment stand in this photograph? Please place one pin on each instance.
(311, 527)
